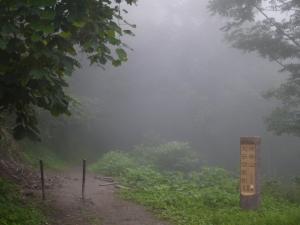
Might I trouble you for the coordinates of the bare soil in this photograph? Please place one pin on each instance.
(101, 206)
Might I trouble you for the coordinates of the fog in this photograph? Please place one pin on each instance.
(182, 82)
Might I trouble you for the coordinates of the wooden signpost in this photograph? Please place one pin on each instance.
(250, 172)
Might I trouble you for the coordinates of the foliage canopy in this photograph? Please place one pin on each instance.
(271, 29)
(39, 41)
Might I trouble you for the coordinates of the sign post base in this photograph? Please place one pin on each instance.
(250, 202)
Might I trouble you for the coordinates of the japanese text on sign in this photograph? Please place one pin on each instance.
(248, 169)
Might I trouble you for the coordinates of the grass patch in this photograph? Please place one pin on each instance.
(206, 196)
(14, 210)
(113, 163)
(33, 152)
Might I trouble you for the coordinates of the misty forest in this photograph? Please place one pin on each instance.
(150, 112)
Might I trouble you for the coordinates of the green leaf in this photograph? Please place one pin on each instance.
(48, 29)
(129, 32)
(3, 43)
(42, 2)
(79, 24)
(47, 14)
(115, 27)
(65, 35)
(116, 62)
(114, 41)
(7, 28)
(36, 25)
(38, 74)
(35, 37)
(24, 81)
(121, 54)
(39, 25)
(111, 34)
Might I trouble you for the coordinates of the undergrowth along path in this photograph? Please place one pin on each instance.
(102, 205)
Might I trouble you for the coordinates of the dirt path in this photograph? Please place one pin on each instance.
(101, 207)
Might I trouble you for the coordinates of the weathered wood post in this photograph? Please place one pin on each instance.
(42, 179)
(83, 178)
(250, 172)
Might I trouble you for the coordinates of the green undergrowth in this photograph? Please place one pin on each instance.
(16, 211)
(33, 152)
(204, 196)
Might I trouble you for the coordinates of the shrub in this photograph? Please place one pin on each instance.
(172, 156)
(33, 152)
(289, 190)
(14, 211)
(114, 163)
(209, 196)
(215, 177)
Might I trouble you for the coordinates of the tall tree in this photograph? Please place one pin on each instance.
(270, 28)
(39, 41)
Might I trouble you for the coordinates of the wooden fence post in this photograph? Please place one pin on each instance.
(83, 178)
(42, 179)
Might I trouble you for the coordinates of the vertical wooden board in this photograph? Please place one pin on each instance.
(248, 169)
(250, 172)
